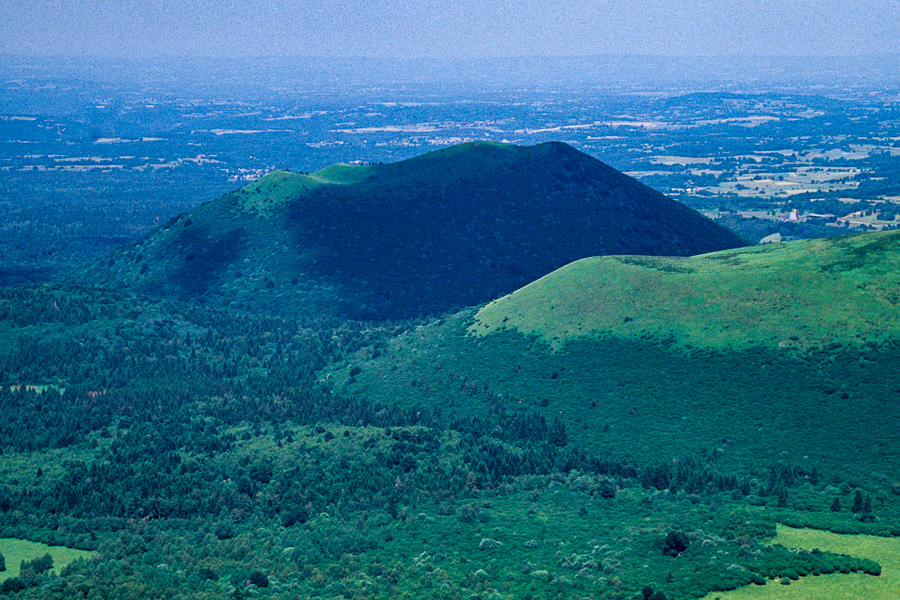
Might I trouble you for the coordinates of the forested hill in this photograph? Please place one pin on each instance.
(777, 352)
(451, 228)
(200, 457)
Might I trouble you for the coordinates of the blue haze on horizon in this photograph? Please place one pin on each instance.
(448, 29)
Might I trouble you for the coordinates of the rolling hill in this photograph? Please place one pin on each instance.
(191, 453)
(448, 229)
(624, 427)
(787, 352)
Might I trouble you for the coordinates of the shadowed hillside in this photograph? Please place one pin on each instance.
(449, 229)
(781, 352)
(625, 427)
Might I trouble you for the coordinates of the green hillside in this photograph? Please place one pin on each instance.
(196, 453)
(448, 229)
(803, 294)
(782, 353)
(625, 427)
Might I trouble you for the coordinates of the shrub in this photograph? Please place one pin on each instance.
(675, 543)
(259, 580)
(38, 565)
(224, 530)
(467, 513)
(12, 585)
(607, 489)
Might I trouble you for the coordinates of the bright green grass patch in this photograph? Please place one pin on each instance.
(274, 189)
(15, 551)
(885, 551)
(799, 294)
(343, 174)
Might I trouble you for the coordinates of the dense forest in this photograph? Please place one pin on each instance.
(200, 454)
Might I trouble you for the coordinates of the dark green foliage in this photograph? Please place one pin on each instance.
(622, 392)
(37, 566)
(782, 495)
(675, 543)
(214, 445)
(607, 489)
(224, 529)
(205, 257)
(449, 229)
(12, 585)
(648, 594)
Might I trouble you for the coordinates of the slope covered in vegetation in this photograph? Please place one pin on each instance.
(786, 353)
(800, 295)
(448, 229)
(625, 427)
(203, 454)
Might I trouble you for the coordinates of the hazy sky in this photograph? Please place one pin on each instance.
(447, 28)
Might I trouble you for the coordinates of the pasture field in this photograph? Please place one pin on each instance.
(837, 586)
(15, 551)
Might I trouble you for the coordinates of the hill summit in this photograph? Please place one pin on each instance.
(451, 228)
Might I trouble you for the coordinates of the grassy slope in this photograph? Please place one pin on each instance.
(707, 364)
(798, 295)
(451, 228)
(885, 551)
(16, 551)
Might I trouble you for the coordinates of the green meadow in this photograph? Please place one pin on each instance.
(796, 295)
(835, 586)
(15, 551)
(272, 191)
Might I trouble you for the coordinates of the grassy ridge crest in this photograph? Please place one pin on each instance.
(796, 294)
